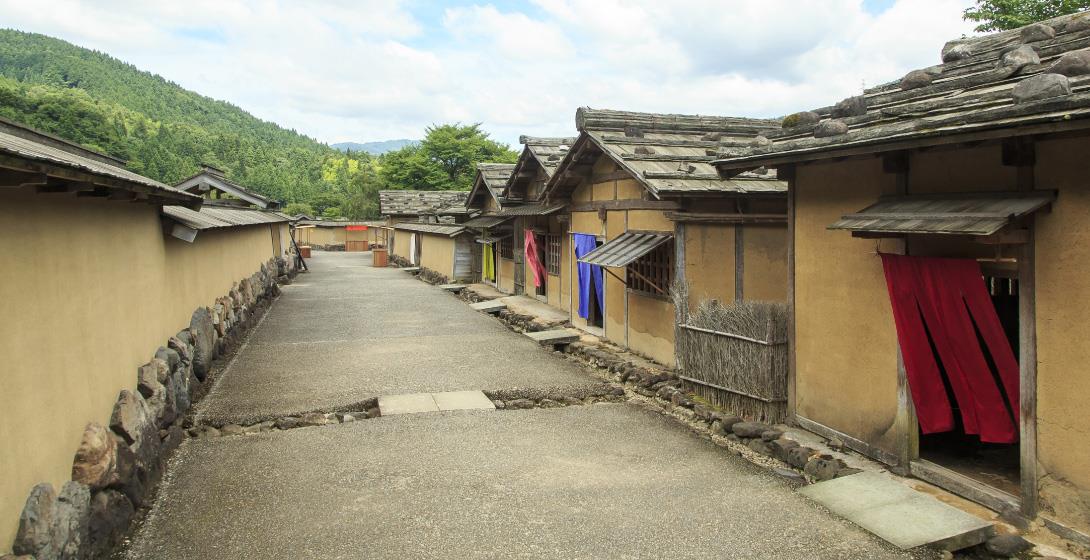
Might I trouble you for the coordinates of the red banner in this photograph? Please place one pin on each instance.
(356, 228)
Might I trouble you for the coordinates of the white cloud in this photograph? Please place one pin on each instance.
(375, 69)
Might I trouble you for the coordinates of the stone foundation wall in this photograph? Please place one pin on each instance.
(117, 468)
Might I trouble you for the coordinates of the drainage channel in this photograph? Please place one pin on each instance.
(421, 403)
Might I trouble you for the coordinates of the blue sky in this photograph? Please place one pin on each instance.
(378, 69)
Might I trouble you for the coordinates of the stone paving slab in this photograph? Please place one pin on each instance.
(491, 306)
(413, 403)
(556, 336)
(463, 400)
(452, 287)
(599, 481)
(897, 513)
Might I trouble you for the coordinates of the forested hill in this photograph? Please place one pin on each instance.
(161, 129)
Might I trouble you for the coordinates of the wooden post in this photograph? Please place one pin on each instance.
(907, 423)
(739, 262)
(789, 174)
(1027, 368)
(679, 269)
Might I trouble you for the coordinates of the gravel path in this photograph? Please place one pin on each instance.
(592, 481)
(346, 332)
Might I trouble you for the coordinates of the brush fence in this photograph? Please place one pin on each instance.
(735, 356)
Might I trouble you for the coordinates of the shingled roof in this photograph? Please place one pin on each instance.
(670, 155)
(213, 178)
(416, 203)
(543, 154)
(1003, 84)
(53, 164)
(490, 180)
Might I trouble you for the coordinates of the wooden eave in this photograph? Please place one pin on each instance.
(50, 178)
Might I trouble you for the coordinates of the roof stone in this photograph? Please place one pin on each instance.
(973, 90)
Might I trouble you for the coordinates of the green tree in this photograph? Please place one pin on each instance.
(1000, 15)
(332, 213)
(296, 208)
(446, 159)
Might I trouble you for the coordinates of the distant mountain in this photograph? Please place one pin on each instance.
(162, 130)
(373, 148)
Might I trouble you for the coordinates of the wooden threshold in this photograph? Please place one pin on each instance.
(968, 488)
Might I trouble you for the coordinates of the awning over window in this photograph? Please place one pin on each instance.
(628, 247)
(487, 221)
(961, 214)
(488, 240)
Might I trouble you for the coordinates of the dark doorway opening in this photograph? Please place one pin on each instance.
(994, 464)
(595, 313)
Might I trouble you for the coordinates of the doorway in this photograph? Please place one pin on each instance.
(957, 312)
(997, 465)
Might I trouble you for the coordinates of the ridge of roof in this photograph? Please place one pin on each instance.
(668, 154)
(415, 203)
(1038, 73)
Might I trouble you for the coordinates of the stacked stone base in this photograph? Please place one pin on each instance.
(117, 468)
(663, 389)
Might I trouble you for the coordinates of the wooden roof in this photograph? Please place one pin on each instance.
(491, 180)
(997, 85)
(670, 155)
(341, 223)
(212, 178)
(416, 203)
(625, 248)
(449, 230)
(51, 164)
(538, 155)
(214, 217)
(952, 214)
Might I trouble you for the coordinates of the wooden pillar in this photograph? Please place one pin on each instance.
(789, 173)
(907, 423)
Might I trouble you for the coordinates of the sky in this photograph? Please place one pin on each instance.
(366, 70)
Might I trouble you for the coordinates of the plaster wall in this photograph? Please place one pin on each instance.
(98, 287)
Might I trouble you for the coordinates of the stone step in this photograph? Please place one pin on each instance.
(491, 306)
(898, 514)
(554, 337)
(414, 403)
(452, 287)
(411, 269)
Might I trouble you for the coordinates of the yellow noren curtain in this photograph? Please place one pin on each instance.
(487, 270)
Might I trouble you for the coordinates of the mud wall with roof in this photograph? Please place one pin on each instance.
(97, 288)
(845, 342)
(402, 243)
(846, 345)
(437, 253)
(649, 328)
(1063, 378)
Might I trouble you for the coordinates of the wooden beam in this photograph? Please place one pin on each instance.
(60, 186)
(1027, 368)
(863, 149)
(16, 178)
(788, 174)
(732, 218)
(1013, 237)
(625, 205)
(739, 262)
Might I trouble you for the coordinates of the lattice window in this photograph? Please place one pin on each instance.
(654, 272)
(506, 248)
(552, 254)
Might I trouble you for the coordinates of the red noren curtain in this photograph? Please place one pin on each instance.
(944, 302)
